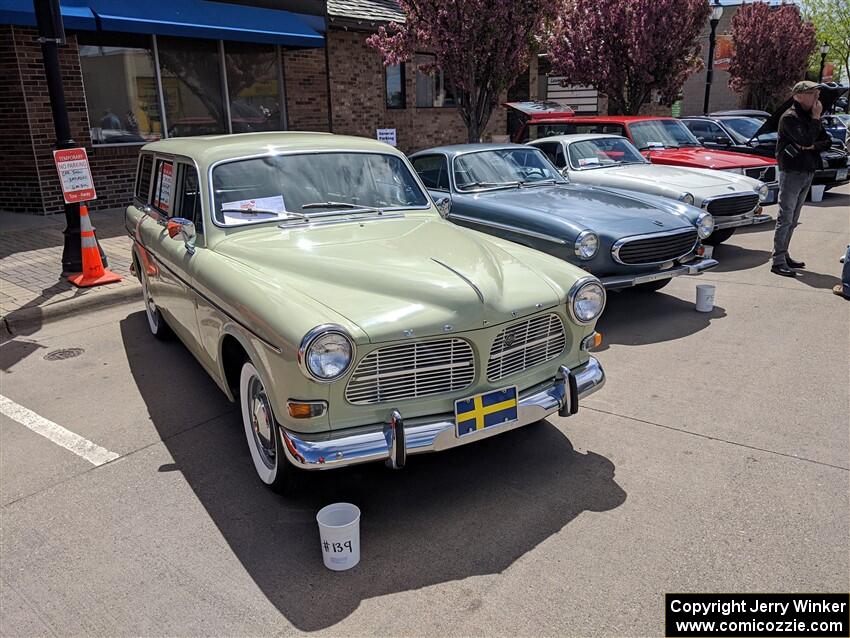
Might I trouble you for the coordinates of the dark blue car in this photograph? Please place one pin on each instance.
(513, 191)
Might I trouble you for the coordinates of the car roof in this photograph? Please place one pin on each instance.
(576, 137)
(739, 113)
(208, 149)
(457, 149)
(619, 119)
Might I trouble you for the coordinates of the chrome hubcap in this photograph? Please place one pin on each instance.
(262, 421)
(150, 304)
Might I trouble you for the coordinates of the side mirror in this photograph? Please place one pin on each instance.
(565, 173)
(180, 228)
(722, 140)
(444, 205)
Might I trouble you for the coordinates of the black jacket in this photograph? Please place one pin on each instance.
(797, 128)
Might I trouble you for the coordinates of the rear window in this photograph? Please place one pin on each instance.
(143, 180)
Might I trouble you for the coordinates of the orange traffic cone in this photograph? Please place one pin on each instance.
(94, 274)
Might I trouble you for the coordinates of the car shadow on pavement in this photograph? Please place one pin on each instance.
(469, 511)
(635, 318)
(733, 257)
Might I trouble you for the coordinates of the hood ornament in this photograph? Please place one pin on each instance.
(657, 223)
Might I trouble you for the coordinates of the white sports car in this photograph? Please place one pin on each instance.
(613, 162)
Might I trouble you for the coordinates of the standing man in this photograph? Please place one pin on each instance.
(801, 140)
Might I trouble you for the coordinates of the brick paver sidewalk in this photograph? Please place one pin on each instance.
(32, 289)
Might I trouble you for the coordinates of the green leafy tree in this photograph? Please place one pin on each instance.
(832, 24)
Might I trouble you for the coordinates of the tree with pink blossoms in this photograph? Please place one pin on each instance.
(480, 45)
(629, 49)
(772, 46)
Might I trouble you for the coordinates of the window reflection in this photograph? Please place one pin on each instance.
(252, 81)
(120, 85)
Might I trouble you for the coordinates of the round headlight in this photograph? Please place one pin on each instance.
(586, 300)
(763, 192)
(705, 225)
(687, 198)
(587, 243)
(326, 354)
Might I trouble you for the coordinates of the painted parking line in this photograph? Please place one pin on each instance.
(91, 452)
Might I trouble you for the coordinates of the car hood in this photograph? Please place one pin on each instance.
(394, 276)
(699, 157)
(578, 207)
(639, 176)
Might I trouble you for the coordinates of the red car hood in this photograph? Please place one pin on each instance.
(698, 157)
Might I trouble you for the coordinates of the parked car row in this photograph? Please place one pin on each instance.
(362, 306)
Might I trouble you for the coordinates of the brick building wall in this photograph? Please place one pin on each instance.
(306, 89)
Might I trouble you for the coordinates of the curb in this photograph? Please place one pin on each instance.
(38, 316)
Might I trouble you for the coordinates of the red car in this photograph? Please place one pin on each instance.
(662, 140)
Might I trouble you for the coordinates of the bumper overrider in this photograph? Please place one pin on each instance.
(394, 439)
(694, 267)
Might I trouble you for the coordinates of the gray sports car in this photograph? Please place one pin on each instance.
(624, 238)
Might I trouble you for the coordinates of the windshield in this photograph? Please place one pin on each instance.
(661, 134)
(504, 167)
(291, 186)
(607, 151)
(743, 128)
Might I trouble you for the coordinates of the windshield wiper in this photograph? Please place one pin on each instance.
(534, 182)
(486, 184)
(331, 205)
(263, 211)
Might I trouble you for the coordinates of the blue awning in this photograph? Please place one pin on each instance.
(76, 14)
(182, 18)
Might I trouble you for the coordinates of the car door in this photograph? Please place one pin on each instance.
(170, 277)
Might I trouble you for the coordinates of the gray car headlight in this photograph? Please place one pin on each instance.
(687, 198)
(587, 243)
(326, 353)
(586, 300)
(705, 225)
(763, 192)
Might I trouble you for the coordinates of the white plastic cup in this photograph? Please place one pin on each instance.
(705, 298)
(339, 532)
(708, 251)
(817, 193)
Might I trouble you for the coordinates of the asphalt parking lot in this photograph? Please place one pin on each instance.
(715, 459)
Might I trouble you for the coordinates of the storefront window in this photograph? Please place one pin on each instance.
(120, 85)
(254, 87)
(431, 88)
(396, 95)
(191, 83)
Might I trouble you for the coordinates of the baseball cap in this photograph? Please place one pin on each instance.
(805, 85)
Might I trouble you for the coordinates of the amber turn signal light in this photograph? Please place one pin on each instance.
(306, 409)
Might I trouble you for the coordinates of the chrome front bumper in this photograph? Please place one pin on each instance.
(747, 219)
(694, 267)
(393, 440)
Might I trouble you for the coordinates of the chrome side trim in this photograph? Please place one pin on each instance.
(615, 249)
(507, 227)
(340, 448)
(462, 276)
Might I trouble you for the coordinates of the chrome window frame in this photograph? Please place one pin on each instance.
(211, 168)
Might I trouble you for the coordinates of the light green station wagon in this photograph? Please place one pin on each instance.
(314, 279)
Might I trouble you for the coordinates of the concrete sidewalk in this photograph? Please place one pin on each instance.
(32, 289)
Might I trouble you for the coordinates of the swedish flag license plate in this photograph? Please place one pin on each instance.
(486, 410)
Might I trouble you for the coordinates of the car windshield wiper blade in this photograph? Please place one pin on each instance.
(534, 182)
(331, 205)
(490, 184)
(263, 211)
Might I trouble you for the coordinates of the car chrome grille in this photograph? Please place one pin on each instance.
(762, 173)
(735, 205)
(411, 371)
(651, 249)
(525, 345)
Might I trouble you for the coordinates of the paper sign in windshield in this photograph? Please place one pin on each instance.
(74, 175)
(588, 161)
(260, 209)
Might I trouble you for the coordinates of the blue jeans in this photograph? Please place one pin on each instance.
(793, 188)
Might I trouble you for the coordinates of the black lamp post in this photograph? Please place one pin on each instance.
(824, 49)
(716, 13)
